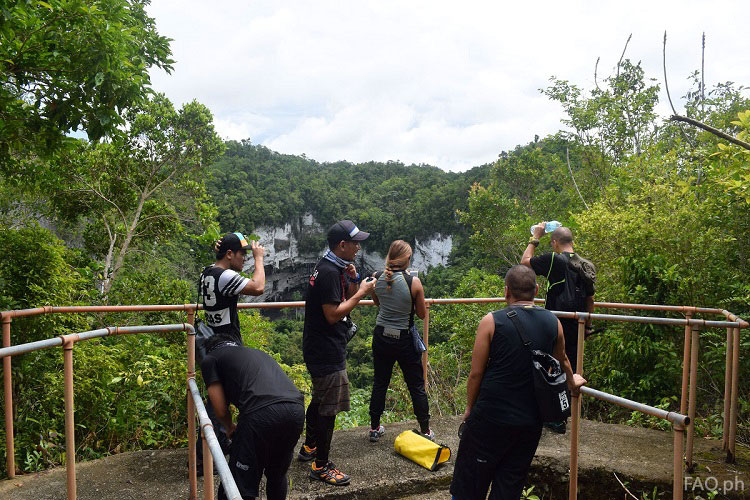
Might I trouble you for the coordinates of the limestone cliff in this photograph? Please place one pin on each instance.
(293, 250)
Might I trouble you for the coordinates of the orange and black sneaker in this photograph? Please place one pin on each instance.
(329, 474)
(306, 453)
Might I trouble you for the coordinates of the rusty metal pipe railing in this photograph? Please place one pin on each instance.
(727, 390)
(68, 343)
(192, 458)
(575, 413)
(10, 447)
(731, 455)
(230, 488)
(671, 416)
(70, 440)
(678, 421)
(694, 344)
(277, 305)
(426, 340)
(733, 322)
(685, 368)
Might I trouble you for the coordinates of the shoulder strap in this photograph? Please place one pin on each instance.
(520, 330)
(200, 283)
(409, 278)
(565, 274)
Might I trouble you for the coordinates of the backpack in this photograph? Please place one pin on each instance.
(585, 268)
(572, 294)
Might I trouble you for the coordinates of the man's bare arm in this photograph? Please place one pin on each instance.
(257, 283)
(574, 380)
(221, 407)
(335, 312)
(479, 357)
(529, 252)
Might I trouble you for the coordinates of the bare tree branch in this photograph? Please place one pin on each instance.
(596, 67)
(666, 86)
(709, 128)
(623, 487)
(623, 55)
(703, 71)
(567, 158)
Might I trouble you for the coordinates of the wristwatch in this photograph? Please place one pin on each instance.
(354, 280)
(534, 241)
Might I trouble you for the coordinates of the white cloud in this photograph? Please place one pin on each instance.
(425, 82)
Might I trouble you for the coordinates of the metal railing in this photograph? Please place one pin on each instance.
(212, 451)
(678, 421)
(689, 376)
(210, 443)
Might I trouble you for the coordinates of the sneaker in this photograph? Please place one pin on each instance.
(557, 427)
(306, 453)
(329, 474)
(430, 435)
(376, 434)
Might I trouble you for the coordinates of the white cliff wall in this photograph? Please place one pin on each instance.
(287, 268)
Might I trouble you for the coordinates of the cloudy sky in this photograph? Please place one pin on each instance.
(450, 84)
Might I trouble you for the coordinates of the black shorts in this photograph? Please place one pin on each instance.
(496, 454)
(263, 443)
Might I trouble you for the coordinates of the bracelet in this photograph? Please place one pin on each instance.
(354, 280)
(533, 241)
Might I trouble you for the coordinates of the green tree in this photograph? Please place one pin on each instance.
(144, 185)
(70, 65)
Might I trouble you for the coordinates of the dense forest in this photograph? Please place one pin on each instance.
(128, 216)
(253, 186)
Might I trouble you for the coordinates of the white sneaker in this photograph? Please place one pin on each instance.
(430, 435)
(376, 434)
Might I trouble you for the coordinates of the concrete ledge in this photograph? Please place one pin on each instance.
(640, 457)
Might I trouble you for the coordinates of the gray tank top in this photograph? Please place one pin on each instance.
(395, 304)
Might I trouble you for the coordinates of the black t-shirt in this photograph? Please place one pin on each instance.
(323, 344)
(506, 393)
(554, 270)
(220, 290)
(251, 379)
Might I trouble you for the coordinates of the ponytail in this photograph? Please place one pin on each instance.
(398, 258)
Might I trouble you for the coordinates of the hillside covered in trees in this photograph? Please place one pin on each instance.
(253, 186)
(129, 215)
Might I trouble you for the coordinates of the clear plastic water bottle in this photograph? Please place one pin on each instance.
(549, 226)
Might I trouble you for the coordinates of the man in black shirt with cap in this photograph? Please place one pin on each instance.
(333, 291)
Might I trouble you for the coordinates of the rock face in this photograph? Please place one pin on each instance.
(293, 249)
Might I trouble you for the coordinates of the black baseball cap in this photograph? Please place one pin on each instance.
(345, 230)
(234, 242)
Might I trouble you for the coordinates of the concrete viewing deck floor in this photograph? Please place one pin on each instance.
(641, 458)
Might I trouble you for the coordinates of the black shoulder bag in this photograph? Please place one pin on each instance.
(203, 332)
(415, 336)
(550, 383)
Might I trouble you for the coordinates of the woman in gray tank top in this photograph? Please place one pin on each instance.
(397, 294)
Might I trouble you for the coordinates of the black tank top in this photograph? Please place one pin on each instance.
(506, 394)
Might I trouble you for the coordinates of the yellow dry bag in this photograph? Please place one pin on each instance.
(421, 450)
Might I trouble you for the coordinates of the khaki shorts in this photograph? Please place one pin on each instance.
(331, 392)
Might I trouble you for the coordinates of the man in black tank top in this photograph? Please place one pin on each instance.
(503, 426)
